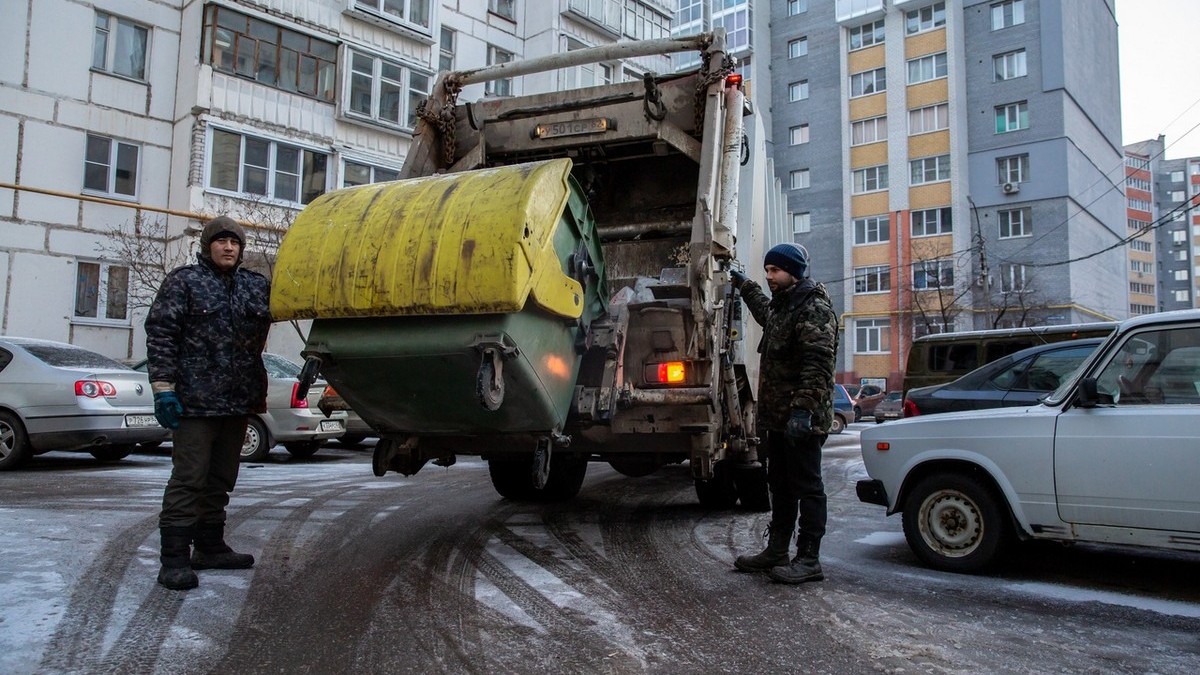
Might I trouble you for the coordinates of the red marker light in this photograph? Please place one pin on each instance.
(883, 446)
(733, 80)
(671, 372)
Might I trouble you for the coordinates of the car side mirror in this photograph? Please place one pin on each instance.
(308, 374)
(1089, 394)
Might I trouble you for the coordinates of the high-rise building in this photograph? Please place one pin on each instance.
(951, 165)
(1141, 219)
(1178, 201)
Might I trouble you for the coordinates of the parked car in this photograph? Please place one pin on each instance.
(843, 409)
(890, 408)
(357, 429)
(56, 396)
(290, 421)
(1019, 379)
(868, 396)
(1111, 456)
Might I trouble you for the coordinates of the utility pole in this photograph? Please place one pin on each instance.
(984, 281)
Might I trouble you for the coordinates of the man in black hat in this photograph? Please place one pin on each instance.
(205, 336)
(795, 408)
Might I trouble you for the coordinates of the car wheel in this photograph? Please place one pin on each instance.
(838, 425)
(112, 453)
(857, 413)
(302, 450)
(14, 443)
(351, 440)
(953, 522)
(257, 444)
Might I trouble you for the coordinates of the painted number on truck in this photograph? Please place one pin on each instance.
(594, 125)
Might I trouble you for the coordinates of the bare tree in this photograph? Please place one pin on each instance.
(936, 286)
(1016, 300)
(146, 249)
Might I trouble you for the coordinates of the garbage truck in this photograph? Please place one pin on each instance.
(546, 284)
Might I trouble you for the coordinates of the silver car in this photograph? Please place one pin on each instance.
(293, 422)
(56, 396)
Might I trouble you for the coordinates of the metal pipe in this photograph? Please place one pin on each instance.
(731, 163)
(682, 396)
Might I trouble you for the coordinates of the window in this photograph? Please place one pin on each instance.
(1181, 275)
(101, 291)
(1134, 224)
(503, 87)
(606, 13)
(505, 8)
(1009, 66)
(801, 224)
(868, 82)
(927, 119)
(870, 179)
(357, 173)
(1179, 237)
(798, 48)
(1176, 176)
(872, 336)
(1140, 245)
(865, 36)
(927, 68)
(1181, 256)
(1137, 287)
(1183, 296)
(925, 18)
(797, 91)
(875, 279)
(119, 46)
(263, 52)
(414, 12)
(928, 222)
(871, 230)
(446, 44)
(798, 179)
(257, 166)
(377, 90)
(1015, 223)
(1136, 309)
(1012, 278)
(735, 19)
(1012, 117)
(644, 23)
(924, 327)
(1177, 196)
(1013, 169)
(868, 131)
(1193, 169)
(1139, 204)
(1138, 183)
(798, 135)
(1141, 266)
(587, 74)
(110, 166)
(930, 169)
(931, 274)
(1137, 162)
(1006, 14)
(797, 7)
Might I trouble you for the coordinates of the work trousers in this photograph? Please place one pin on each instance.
(794, 476)
(204, 469)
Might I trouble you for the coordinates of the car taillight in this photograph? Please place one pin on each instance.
(297, 401)
(94, 388)
(671, 372)
(329, 391)
(911, 409)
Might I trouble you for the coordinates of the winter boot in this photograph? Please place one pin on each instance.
(806, 566)
(176, 574)
(775, 554)
(212, 553)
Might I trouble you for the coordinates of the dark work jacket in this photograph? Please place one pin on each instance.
(205, 334)
(798, 348)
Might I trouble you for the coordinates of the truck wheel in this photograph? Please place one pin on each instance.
(14, 444)
(720, 491)
(953, 522)
(302, 450)
(752, 491)
(112, 453)
(257, 444)
(513, 479)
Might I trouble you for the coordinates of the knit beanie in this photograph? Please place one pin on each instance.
(789, 257)
(218, 227)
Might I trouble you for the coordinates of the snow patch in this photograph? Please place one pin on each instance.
(882, 539)
(1189, 610)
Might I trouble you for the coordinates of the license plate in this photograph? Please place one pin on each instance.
(140, 421)
(594, 125)
(330, 425)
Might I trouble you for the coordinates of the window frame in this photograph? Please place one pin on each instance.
(801, 176)
(872, 279)
(1021, 110)
(446, 53)
(998, 18)
(935, 109)
(502, 86)
(802, 130)
(798, 47)
(797, 91)
(861, 125)
(374, 169)
(880, 179)
(407, 97)
(103, 283)
(801, 223)
(1019, 63)
(112, 167)
(111, 34)
(941, 223)
(870, 230)
(941, 169)
(938, 66)
(1014, 278)
(271, 170)
(796, 7)
(942, 270)
(1005, 223)
(877, 32)
(877, 333)
(497, 7)
(1005, 169)
(878, 84)
(378, 8)
(936, 18)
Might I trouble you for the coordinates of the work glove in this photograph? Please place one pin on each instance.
(737, 278)
(167, 409)
(799, 425)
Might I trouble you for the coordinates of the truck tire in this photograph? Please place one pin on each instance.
(513, 479)
(257, 444)
(953, 522)
(719, 492)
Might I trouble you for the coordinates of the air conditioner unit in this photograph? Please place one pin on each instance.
(1010, 188)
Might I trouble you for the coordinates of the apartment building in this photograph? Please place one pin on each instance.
(1177, 198)
(1141, 218)
(124, 122)
(951, 165)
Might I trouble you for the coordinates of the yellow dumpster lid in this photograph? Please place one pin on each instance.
(462, 243)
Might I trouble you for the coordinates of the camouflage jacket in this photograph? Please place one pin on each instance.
(798, 348)
(205, 335)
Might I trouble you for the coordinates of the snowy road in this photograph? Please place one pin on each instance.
(435, 573)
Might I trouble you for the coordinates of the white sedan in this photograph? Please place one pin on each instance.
(1112, 456)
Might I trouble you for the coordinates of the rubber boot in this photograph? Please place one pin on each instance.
(806, 566)
(775, 554)
(212, 553)
(176, 573)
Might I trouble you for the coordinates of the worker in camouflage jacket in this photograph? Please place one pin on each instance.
(795, 408)
(205, 336)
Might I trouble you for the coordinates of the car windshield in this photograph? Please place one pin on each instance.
(894, 396)
(1058, 395)
(66, 356)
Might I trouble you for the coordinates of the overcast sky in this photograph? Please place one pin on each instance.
(1160, 82)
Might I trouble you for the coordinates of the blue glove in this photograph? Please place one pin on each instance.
(167, 409)
(799, 425)
(737, 277)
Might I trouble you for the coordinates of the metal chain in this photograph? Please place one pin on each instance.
(707, 78)
(443, 119)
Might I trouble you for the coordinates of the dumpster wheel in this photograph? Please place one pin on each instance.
(489, 382)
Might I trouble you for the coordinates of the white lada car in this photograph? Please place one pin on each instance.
(1111, 456)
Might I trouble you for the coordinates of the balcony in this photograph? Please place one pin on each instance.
(860, 11)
